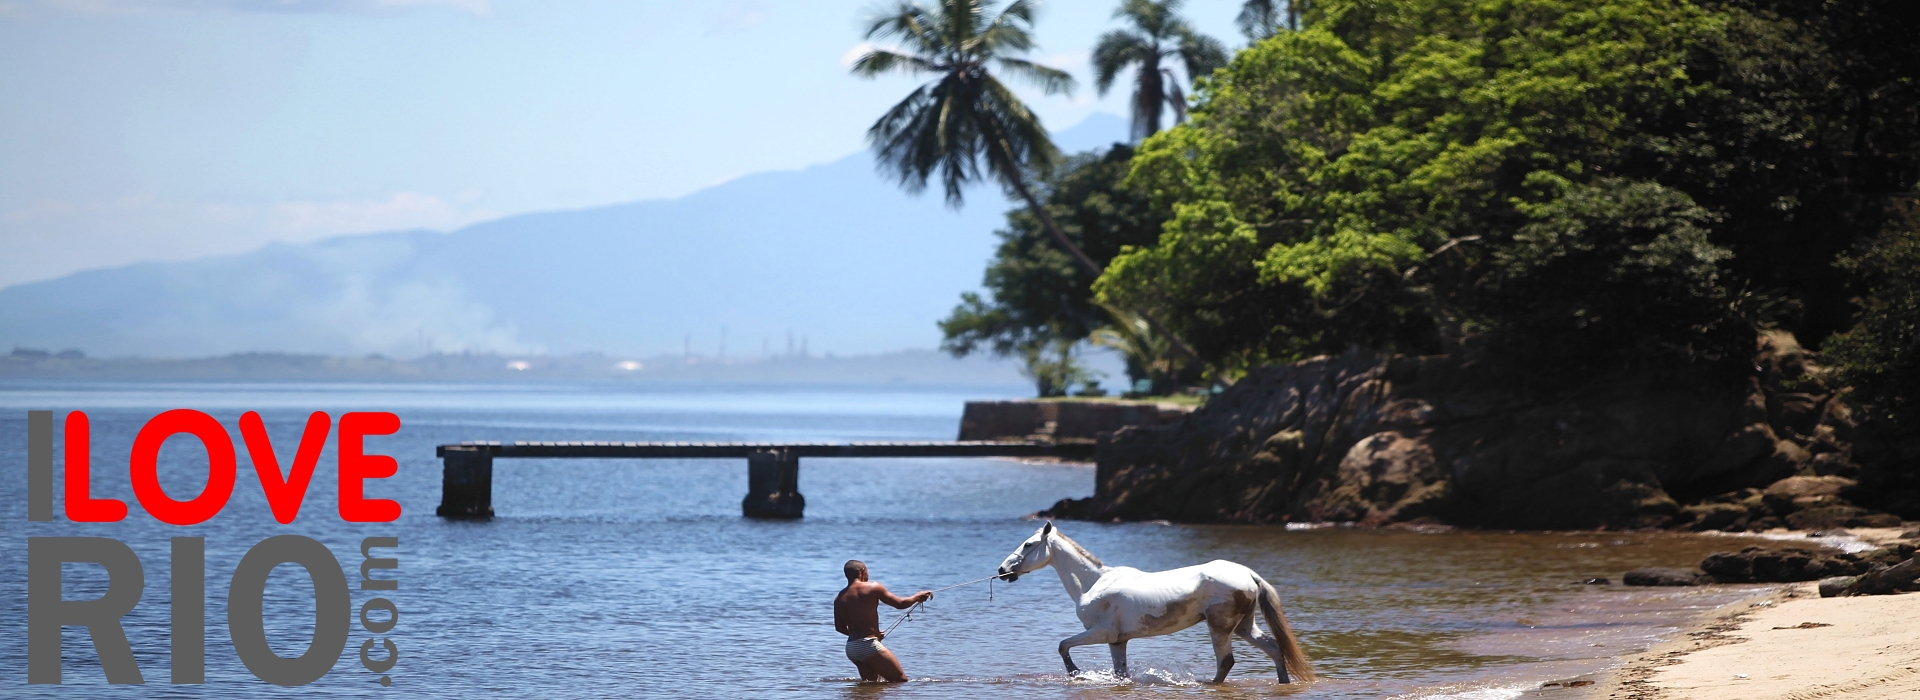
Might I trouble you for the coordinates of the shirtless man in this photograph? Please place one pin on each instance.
(856, 614)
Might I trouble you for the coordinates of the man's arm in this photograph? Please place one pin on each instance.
(898, 602)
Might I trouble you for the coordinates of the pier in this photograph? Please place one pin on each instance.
(773, 469)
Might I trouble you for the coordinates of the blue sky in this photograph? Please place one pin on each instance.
(135, 130)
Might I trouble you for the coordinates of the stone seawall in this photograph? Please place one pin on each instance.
(1060, 420)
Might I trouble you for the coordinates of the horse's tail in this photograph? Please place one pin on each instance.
(1292, 658)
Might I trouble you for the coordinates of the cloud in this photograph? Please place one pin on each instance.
(401, 210)
(737, 16)
(481, 8)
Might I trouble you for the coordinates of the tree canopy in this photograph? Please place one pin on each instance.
(1573, 185)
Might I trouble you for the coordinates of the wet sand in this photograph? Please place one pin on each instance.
(1790, 645)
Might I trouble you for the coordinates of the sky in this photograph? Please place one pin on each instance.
(145, 130)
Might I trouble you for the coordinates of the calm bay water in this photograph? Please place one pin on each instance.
(639, 578)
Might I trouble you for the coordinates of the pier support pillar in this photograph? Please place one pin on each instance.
(773, 486)
(466, 483)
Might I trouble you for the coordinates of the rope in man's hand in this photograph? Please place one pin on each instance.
(923, 604)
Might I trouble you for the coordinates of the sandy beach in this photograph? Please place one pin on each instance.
(1791, 645)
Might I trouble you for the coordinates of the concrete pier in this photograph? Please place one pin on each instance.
(773, 469)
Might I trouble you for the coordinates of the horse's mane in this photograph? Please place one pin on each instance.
(1082, 550)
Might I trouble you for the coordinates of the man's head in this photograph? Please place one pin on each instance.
(856, 570)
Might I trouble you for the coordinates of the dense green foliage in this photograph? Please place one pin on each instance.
(1880, 357)
(1039, 298)
(1573, 185)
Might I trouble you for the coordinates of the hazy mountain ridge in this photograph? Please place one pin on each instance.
(917, 367)
(834, 254)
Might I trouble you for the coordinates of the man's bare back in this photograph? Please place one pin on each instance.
(856, 614)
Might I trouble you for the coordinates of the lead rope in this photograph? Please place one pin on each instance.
(922, 604)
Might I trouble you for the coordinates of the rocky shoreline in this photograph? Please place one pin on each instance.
(1411, 440)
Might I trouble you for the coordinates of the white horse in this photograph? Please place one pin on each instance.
(1118, 603)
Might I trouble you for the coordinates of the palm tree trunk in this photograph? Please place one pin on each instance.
(1019, 184)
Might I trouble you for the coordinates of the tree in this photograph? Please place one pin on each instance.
(965, 115)
(1572, 185)
(1260, 19)
(1037, 296)
(1158, 34)
(1880, 356)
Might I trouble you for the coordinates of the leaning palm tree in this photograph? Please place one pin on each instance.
(965, 115)
(1158, 34)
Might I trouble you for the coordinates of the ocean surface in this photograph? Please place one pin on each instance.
(639, 578)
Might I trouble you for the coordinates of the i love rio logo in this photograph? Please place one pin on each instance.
(48, 612)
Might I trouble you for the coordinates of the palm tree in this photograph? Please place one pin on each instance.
(1158, 34)
(1259, 18)
(965, 114)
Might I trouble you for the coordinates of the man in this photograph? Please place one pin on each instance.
(856, 614)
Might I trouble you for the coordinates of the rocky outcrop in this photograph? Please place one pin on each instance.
(1381, 440)
(1790, 564)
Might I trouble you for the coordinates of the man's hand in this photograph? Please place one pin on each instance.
(879, 635)
(923, 596)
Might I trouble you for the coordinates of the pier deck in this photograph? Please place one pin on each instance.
(773, 468)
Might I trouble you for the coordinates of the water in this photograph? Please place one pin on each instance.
(638, 578)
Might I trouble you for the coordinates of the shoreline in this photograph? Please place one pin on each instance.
(1786, 644)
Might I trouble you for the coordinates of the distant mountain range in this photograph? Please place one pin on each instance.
(904, 367)
(829, 258)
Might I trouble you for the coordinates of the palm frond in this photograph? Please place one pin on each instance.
(906, 22)
(879, 61)
(1051, 81)
(1200, 54)
(1115, 51)
(1258, 19)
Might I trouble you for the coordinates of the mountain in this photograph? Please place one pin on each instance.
(833, 257)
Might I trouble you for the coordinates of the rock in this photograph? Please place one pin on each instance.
(1379, 440)
(1830, 533)
(1789, 564)
(1835, 516)
(1886, 556)
(1797, 487)
(1659, 576)
(1913, 534)
(1830, 587)
(1895, 579)
(1597, 581)
(1067, 509)
(1731, 517)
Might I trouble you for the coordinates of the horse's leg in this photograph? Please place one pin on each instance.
(1119, 650)
(1222, 635)
(1080, 640)
(1250, 631)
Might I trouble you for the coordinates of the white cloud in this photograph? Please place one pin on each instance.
(401, 210)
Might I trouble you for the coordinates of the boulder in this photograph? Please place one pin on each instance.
(1788, 564)
(1794, 488)
(1660, 576)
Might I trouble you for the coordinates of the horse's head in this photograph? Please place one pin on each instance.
(1032, 555)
